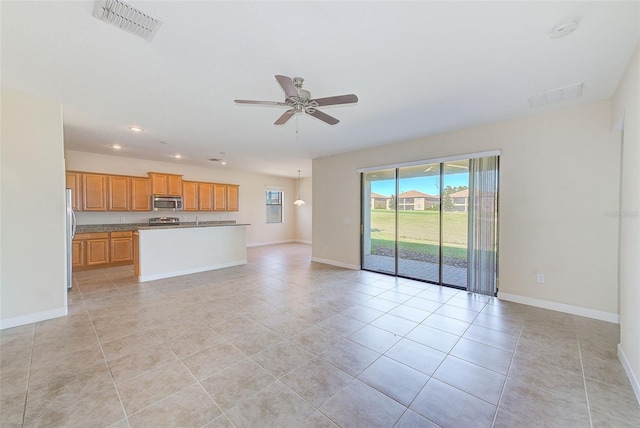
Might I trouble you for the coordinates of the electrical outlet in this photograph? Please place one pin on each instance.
(540, 278)
(122, 219)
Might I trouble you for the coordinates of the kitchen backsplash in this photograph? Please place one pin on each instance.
(86, 217)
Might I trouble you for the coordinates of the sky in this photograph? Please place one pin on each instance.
(421, 184)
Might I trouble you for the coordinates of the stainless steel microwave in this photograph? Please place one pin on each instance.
(166, 203)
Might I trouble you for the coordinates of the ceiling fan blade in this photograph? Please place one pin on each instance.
(322, 116)
(339, 99)
(285, 117)
(268, 103)
(287, 85)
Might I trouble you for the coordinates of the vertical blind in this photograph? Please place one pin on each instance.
(482, 249)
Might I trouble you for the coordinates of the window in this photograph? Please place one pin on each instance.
(274, 206)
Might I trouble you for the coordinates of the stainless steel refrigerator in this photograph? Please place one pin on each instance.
(71, 232)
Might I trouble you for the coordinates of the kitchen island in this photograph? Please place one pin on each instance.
(168, 251)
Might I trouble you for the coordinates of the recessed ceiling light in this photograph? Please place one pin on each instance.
(116, 146)
(177, 156)
(563, 30)
(135, 129)
(223, 162)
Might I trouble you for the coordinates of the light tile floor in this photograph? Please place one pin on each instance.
(451, 275)
(284, 342)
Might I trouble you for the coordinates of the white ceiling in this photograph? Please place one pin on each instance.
(418, 68)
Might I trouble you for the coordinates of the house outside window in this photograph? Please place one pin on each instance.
(274, 206)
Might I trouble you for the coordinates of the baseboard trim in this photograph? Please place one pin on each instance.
(31, 318)
(335, 263)
(145, 278)
(627, 368)
(287, 241)
(561, 307)
(262, 244)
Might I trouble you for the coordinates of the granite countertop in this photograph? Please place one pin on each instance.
(89, 228)
(193, 224)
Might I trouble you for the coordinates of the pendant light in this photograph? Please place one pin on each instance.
(299, 201)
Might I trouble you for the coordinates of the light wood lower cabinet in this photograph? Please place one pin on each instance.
(136, 253)
(90, 250)
(102, 249)
(77, 254)
(121, 247)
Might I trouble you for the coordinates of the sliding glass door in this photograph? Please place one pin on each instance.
(379, 243)
(417, 220)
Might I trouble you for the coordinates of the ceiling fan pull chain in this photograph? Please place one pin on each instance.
(297, 135)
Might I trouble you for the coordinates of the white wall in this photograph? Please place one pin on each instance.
(304, 212)
(252, 197)
(626, 104)
(559, 175)
(32, 213)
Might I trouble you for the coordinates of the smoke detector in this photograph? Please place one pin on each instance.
(563, 30)
(127, 17)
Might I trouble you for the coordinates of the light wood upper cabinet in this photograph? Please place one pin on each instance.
(174, 184)
(94, 192)
(233, 195)
(190, 195)
(165, 184)
(140, 194)
(205, 196)
(104, 192)
(74, 182)
(219, 197)
(119, 190)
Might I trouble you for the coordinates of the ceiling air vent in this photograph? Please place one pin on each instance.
(127, 17)
(215, 160)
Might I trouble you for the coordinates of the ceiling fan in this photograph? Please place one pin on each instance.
(299, 101)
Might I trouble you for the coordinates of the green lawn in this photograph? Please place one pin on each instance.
(418, 231)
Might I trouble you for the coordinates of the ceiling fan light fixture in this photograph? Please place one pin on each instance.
(299, 101)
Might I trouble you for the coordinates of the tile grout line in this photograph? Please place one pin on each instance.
(26, 395)
(513, 356)
(115, 386)
(584, 381)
